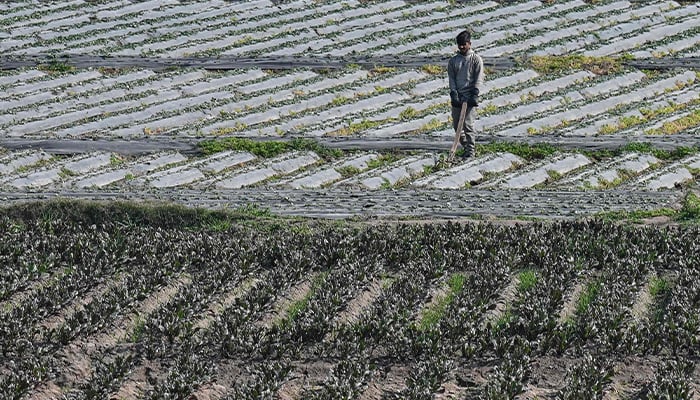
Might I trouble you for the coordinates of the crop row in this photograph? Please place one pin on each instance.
(446, 296)
(349, 103)
(382, 28)
(636, 167)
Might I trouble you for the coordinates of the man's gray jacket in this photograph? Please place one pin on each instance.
(466, 73)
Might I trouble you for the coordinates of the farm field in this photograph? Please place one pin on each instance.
(592, 108)
(105, 300)
(252, 200)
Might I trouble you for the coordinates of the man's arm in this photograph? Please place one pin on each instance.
(451, 75)
(476, 82)
(477, 74)
(454, 95)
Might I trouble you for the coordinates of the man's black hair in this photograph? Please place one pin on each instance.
(464, 37)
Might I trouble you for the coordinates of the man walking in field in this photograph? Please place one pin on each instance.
(466, 73)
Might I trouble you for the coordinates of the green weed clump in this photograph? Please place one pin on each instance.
(674, 154)
(300, 305)
(523, 150)
(432, 315)
(690, 211)
(679, 125)
(433, 69)
(658, 286)
(267, 149)
(383, 160)
(164, 215)
(526, 280)
(587, 297)
(56, 67)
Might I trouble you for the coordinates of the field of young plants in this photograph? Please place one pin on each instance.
(125, 301)
(251, 200)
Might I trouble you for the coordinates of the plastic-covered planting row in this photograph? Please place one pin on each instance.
(225, 105)
(151, 103)
(126, 24)
(504, 24)
(472, 172)
(315, 34)
(125, 102)
(546, 25)
(82, 96)
(54, 172)
(220, 39)
(17, 14)
(612, 173)
(81, 100)
(401, 36)
(584, 105)
(103, 14)
(205, 21)
(280, 166)
(542, 173)
(12, 162)
(589, 97)
(380, 29)
(124, 172)
(418, 35)
(288, 24)
(610, 22)
(559, 31)
(180, 107)
(300, 34)
(47, 83)
(253, 102)
(10, 78)
(643, 112)
(637, 118)
(610, 28)
(674, 123)
(366, 94)
(229, 170)
(671, 176)
(651, 35)
(518, 96)
(105, 111)
(582, 92)
(422, 105)
(281, 97)
(685, 44)
(305, 170)
(326, 175)
(194, 171)
(404, 170)
(385, 28)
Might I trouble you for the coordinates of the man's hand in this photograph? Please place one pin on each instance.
(471, 98)
(454, 99)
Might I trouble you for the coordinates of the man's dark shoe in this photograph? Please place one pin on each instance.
(467, 155)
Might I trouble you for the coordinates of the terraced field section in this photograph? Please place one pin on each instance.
(123, 99)
(214, 306)
(116, 99)
(380, 103)
(285, 110)
(536, 181)
(266, 28)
